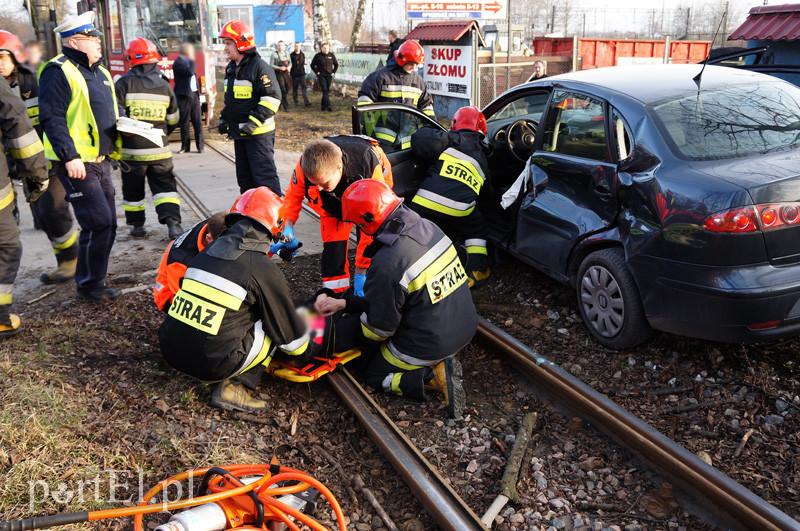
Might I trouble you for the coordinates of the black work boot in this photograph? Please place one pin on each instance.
(103, 294)
(137, 231)
(174, 228)
(446, 380)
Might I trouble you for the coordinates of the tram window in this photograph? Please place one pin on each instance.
(115, 35)
(243, 13)
(170, 22)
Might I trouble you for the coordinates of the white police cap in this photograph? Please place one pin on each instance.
(82, 24)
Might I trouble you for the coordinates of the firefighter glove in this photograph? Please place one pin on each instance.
(33, 190)
(359, 279)
(223, 128)
(247, 129)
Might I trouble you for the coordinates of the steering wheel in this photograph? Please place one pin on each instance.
(521, 137)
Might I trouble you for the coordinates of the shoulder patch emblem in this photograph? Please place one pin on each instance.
(265, 80)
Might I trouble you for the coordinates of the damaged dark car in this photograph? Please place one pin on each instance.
(668, 201)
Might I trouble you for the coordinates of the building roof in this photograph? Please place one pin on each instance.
(774, 23)
(444, 31)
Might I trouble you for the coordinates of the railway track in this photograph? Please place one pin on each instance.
(728, 502)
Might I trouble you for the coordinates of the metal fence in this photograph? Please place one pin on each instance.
(496, 78)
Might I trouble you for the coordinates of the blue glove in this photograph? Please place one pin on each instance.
(288, 233)
(286, 250)
(359, 279)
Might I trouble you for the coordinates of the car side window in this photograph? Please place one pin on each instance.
(622, 136)
(391, 128)
(529, 107)
(576, 126)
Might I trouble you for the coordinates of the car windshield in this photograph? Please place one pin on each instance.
(731, 122)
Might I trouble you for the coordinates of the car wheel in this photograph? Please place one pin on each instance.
(609, 300)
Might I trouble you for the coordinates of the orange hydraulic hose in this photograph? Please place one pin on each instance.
(326, 493)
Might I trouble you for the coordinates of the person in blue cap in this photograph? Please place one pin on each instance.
(78, 109)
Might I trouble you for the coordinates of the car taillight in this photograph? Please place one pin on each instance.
(766, 216)
(736, 220)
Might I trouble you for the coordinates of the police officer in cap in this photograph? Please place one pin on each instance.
(79, 111)
(252, 98)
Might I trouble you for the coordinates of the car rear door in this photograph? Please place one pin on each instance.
(577, 157)
(392, 125)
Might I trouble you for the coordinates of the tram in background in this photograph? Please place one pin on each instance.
(168, 23)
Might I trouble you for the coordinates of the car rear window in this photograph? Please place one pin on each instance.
(731, 122)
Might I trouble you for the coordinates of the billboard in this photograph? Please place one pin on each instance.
(448, 70)
(481, 9)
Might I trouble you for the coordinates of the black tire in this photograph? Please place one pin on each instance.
(609, 300)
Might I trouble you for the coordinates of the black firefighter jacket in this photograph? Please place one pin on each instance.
(417, 301)
(252, 95)
(233, 309)
(146, 95)
(457, 165)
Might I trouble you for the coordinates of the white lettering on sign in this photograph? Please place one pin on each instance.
(448, 70)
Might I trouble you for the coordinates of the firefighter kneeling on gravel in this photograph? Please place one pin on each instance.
(417, 311)
(448, 196)
(234, 309)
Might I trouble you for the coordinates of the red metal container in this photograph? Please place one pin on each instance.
(596, 53)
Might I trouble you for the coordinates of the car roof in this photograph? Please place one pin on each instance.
(652, 83)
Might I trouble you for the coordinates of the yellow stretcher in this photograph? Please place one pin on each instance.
(313, 370)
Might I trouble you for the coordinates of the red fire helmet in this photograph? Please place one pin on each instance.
(11, 43)
(238, 32)
(409, 52)
(368, 203)
(259, 204)
(470, 118)
(142, 52)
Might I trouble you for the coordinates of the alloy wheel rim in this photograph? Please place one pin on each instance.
(602, 301)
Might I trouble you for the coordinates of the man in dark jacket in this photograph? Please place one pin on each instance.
(458, 167)
(234, 311)
(417, 312)
(394, 44)
(298, 73)
(252, 99)
(51, 211)
(19, 140)
(146, 95)
(325, 66)
(187, 92)
(80, 136)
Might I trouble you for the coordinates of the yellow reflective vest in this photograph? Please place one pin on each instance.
(80, 119)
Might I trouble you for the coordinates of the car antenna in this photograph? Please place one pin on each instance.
(699, 75)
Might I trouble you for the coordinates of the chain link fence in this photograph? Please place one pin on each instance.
(496, 78)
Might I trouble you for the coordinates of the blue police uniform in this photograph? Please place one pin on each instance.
(93, 197)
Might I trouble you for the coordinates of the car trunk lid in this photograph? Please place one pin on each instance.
(769, 179)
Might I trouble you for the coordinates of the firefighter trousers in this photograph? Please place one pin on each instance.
(161, 179)
(467, 231)
(92, 200)
(377, 365)
(10, 256)
(335, 263)
(255, 163)
(55, 218)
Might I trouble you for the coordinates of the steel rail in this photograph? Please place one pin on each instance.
(740, 507)
(444, 505)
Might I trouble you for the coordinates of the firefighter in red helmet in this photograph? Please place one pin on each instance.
(252, 98)
(234, 311)
(457, 170)
(51, 212)
(416, 313)
(147, 96)
(396, 83)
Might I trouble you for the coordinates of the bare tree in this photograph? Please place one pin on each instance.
(357, 22)
(322, 28)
